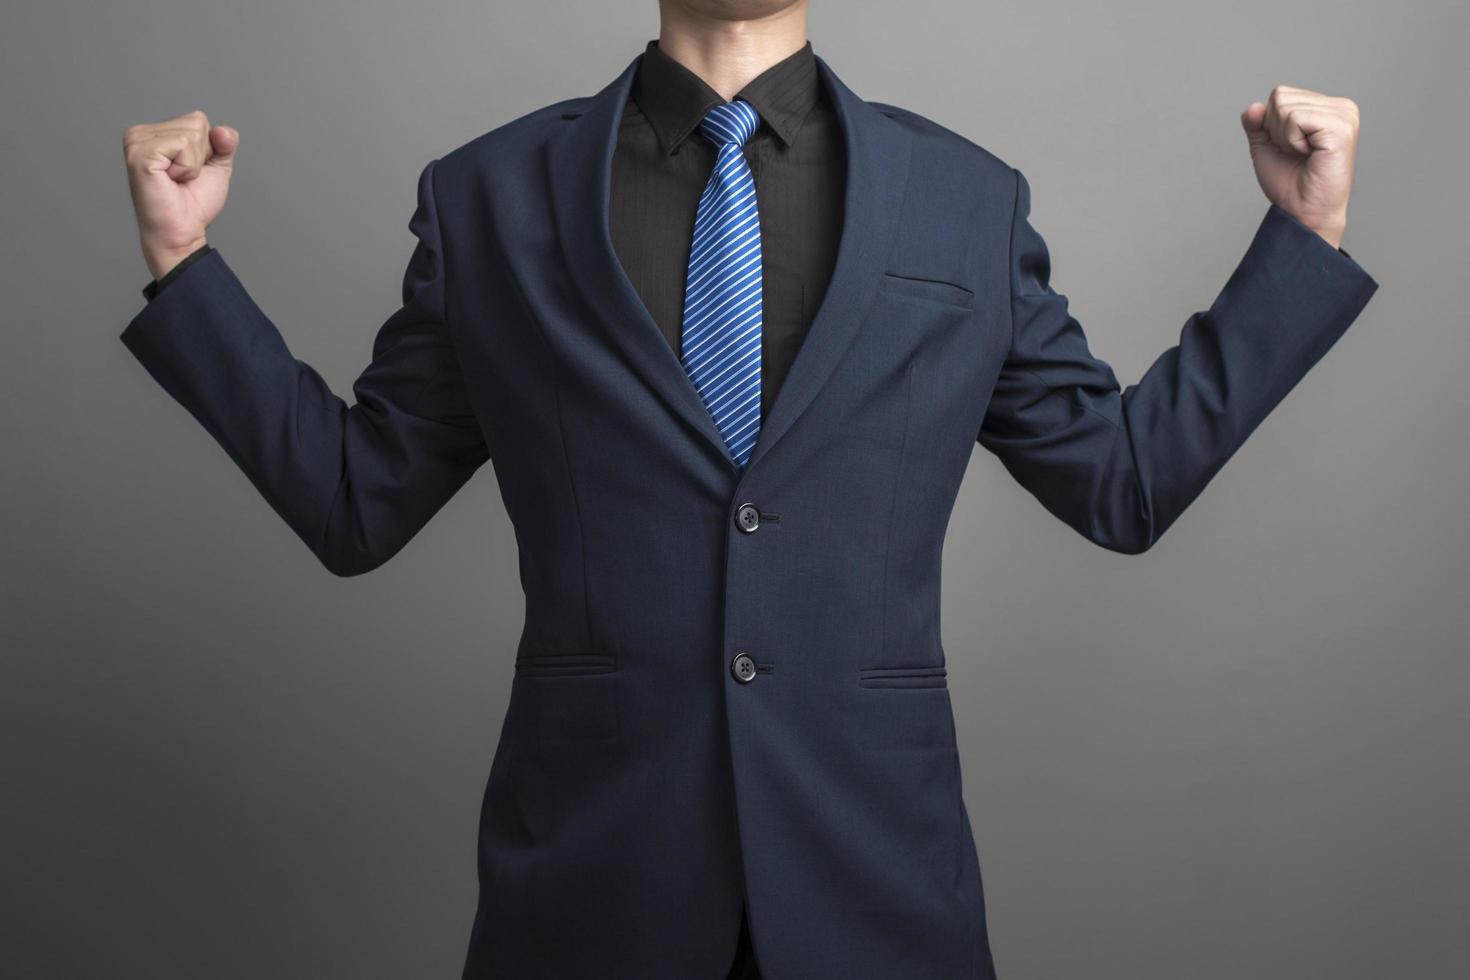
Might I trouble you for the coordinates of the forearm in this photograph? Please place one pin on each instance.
(1289, 300)
(355, 482)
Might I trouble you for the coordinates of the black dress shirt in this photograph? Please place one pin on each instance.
(660, 166)
(797, 158)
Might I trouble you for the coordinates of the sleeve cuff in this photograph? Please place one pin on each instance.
(154, 333)
(1293, 226)
(1291, 297)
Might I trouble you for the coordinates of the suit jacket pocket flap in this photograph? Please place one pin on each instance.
(932, 676)
(922, 287)
(563, 663)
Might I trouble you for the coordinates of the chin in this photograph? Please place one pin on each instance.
(735, 9)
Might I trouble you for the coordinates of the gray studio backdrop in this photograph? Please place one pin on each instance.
(1240, 755)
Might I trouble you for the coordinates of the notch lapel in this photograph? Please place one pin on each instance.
(580, 170)
(580, 163)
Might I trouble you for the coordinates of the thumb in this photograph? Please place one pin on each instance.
(224, 140)
(1253, 121)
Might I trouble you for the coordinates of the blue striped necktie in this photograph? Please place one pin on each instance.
(721, 338)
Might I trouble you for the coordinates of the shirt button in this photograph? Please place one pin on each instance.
(748, 518)
(743, 667)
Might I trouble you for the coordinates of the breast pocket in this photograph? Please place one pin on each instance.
(925, 288)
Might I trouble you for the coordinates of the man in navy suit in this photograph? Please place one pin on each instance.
(730, 334)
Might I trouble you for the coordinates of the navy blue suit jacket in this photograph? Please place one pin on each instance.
(640, 787)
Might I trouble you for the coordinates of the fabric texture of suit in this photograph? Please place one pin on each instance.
(640, 789)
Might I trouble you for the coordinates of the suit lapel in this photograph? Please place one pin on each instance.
(877, 174)
(580, 161)
(580, 168)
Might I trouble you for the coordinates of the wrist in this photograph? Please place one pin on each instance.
(1330, 228)
(161, 260)
(1332, 234)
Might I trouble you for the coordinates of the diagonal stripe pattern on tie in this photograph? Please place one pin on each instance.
(721, 343)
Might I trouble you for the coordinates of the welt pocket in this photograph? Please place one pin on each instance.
(564, 664)
(903, 677)
(937, 290)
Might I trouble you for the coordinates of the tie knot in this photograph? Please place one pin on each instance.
(730, 122)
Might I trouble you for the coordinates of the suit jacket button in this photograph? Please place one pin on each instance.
(743, 667)
(748, 518)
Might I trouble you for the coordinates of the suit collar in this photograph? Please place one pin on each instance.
(579, 161)
(675, 99)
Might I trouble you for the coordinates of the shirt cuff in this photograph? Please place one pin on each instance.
(151, 290)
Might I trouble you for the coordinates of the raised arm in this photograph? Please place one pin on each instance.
(357, 481)
(1121, 465)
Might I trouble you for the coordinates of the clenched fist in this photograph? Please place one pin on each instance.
(1303, 145)
(179, 176)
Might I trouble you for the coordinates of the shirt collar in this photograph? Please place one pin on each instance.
(675, 99)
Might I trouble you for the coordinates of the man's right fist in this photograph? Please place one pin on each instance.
(179, 175)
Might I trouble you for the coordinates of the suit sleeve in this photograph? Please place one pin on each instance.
(357, 481)
(1120, 465)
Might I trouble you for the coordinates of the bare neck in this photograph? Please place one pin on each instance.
(729, 53)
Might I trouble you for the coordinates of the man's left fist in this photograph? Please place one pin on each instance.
(1303, 145)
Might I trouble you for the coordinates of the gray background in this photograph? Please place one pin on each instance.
(1241, 754)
